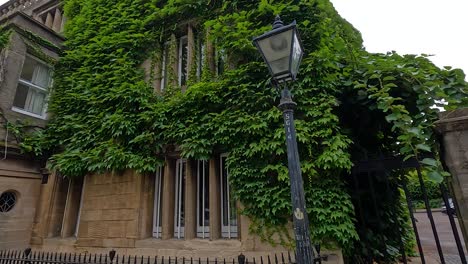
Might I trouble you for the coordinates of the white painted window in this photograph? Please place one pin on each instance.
(183, 61)
(31, 93)
(228, 204)
(157, 203)
(203, 208)
(179, 216)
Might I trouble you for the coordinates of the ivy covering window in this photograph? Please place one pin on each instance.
(200, 56)
(31, 92)
(183, 56)
(165, 62)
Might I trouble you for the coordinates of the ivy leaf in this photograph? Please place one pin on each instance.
(423, 147)
(392, 117)
(389, 78)
(414, 130)
(429, 162)
(435, 176)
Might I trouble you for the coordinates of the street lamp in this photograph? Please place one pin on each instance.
(282, 51)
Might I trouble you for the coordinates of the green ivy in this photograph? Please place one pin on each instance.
(4, 37)
(350, 103)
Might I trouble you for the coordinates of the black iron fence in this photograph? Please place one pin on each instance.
(375, 188)
(30, 257)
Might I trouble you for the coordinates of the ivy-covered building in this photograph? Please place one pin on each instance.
(163, 136)
(185, 207)
(30, 41)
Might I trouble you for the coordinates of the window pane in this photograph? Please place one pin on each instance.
(35, 72)
(157, 218)
(183, 55)
(200, 56)
(21, 95)
(165, 62)
(37, 102)
(28, 69)
(228, 204)
(224, 191)
(203, 209)
(179, 221)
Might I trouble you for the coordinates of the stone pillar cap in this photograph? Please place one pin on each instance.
(455, 120)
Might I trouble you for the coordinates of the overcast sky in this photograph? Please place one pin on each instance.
(411, 27)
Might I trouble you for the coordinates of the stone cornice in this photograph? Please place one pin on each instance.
(456, 120)
(9, 22)
(16, 5)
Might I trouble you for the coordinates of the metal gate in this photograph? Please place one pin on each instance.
(377, 187)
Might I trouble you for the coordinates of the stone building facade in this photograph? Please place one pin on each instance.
(24, 81)
(184, 209)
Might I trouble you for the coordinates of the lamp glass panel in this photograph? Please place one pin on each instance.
(296, 56)
(276, 50)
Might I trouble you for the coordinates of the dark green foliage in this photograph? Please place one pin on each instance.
(105, 117)
(432, 189)
(4, 37)
(382, 218)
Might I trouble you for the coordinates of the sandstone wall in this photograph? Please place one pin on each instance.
(22, 178)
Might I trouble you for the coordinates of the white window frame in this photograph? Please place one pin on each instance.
(203, 231)
(179, 72)
(157, 227)
(179, 210)
(35, 87)
(227, 231)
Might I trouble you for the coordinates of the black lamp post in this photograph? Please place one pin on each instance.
(282, 51)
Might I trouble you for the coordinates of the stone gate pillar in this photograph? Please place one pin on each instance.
(453, 127)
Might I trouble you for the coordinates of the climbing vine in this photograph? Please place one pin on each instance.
(350, 103)
(4, 37)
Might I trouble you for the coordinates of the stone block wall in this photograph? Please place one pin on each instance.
(110, 210)
(22, 178)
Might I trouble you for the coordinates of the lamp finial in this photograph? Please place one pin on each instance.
(278, 23)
